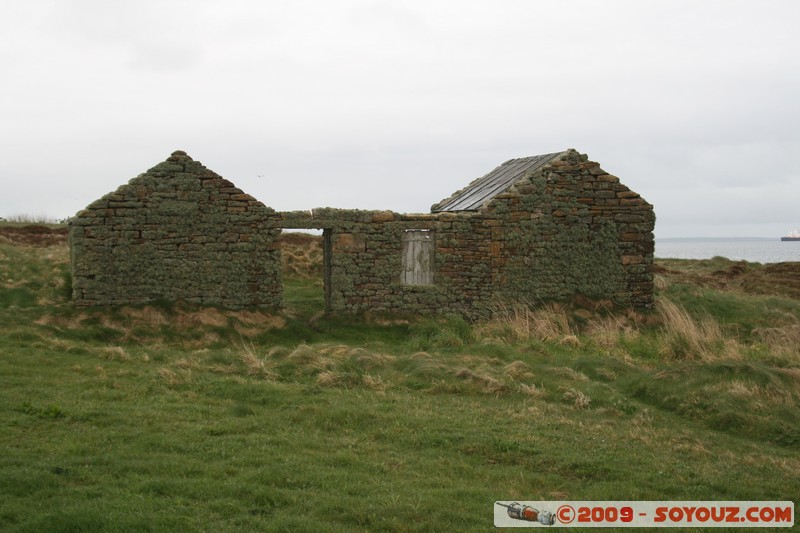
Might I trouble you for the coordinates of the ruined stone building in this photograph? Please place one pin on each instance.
(533, 229)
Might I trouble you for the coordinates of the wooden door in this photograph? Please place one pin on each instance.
(418, 246)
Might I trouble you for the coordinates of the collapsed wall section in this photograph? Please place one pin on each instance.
(369, 260)
(177, 232)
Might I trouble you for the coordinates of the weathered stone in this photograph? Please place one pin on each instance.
(349, 243)
(185, 233)
(633, 259)
(627, 194)
(160, 227)
(631, 201)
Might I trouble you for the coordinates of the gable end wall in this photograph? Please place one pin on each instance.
(177, 232)
(572, 228)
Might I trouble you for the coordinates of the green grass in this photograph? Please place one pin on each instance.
(741, 313)
(303, 297)
(176, 418)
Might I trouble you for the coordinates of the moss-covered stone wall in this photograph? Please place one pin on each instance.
(181, 232)
(365, 261)
(572, 228)
(568, 228)
(177, 232)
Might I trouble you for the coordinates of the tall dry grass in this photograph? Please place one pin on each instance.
(681, 336)
(685, 337)
(553, 323)
(576, 398)
(341, 366)
(782, 341)
(255, 365)
(608, 331)
(520, 322)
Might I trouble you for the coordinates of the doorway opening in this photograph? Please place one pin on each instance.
(305, 265)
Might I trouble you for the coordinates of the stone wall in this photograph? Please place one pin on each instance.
(177, 232)
(572, 228)
(181, 232)
(568, 228)
(365, 261)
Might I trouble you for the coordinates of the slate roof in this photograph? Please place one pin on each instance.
(482, 190)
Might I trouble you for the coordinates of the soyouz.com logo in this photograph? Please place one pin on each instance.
(643, 514)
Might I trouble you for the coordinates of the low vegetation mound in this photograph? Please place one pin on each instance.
(33, 234)
(778, 279)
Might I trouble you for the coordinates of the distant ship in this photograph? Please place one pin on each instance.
(794, 235)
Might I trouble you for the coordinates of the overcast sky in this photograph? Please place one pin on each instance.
(394, 105)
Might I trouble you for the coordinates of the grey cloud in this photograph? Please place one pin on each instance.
(395, 105)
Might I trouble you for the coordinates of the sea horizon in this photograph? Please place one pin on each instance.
(753, 249)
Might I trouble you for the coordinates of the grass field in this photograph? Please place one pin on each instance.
(174, 418)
